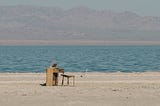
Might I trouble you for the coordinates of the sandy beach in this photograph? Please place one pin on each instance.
(91, 89)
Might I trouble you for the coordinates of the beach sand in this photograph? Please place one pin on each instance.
(92, 89)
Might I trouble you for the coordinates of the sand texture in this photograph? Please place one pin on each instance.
(91, 89)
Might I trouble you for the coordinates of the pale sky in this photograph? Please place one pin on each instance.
(142, 7)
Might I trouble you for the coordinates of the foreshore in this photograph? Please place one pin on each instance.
(91, 89)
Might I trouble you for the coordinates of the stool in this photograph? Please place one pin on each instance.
(68, 76)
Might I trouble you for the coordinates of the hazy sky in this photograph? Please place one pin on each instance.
(142, 7)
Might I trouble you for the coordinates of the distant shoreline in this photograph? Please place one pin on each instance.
(118, 72)
(75, 42)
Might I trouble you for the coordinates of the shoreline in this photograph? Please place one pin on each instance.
(158, 71)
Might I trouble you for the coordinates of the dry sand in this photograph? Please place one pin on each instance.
(93, 89)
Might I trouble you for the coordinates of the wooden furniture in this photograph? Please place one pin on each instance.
(52, 76)
(68, 77)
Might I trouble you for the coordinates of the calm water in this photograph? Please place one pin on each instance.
(80, 58)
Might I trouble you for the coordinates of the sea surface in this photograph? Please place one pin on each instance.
(80, 58)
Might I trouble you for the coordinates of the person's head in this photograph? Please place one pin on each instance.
(54, 65)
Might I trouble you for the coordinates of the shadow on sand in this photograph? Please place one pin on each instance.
(44, 84)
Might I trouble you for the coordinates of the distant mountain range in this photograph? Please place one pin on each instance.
(79, 23)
